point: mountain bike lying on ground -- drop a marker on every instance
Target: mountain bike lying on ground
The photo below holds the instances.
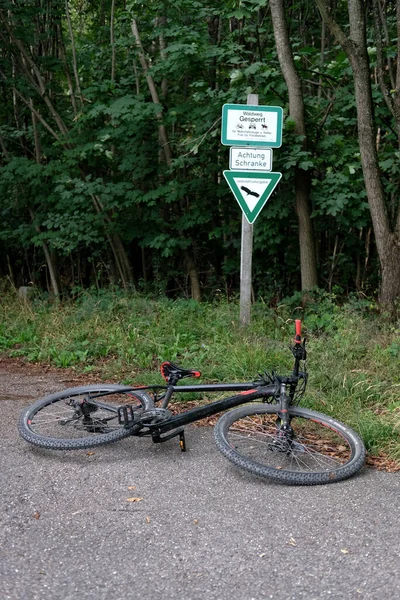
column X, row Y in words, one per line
column 265, row 433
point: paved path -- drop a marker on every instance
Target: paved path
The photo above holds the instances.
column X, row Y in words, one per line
column 203, row 529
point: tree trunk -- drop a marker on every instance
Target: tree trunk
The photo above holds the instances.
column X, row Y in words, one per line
column 388, row 73
column 50, row 265
column 308, row 261
column 123, row 259
column 154, row 94
column 73, row 50
column 49, row 259
column 193, row 276
column 164, row 141
column 387, row 234
column 390, row 267
column 122, row 263
column 112, row 41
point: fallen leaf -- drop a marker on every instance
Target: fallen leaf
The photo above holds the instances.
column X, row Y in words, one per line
column 36, row 515
column 131, row 487
column 134, row 499
column 90, row 453
column 383, row 463
column 195, row 521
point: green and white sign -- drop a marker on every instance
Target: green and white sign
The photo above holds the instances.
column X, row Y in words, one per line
column 244, row 125
column 252, row 190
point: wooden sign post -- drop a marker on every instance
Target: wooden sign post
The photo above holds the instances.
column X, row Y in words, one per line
column 256, row 130
column 246, row 256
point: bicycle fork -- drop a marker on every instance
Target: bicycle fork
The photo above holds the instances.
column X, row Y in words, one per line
column 283, row 420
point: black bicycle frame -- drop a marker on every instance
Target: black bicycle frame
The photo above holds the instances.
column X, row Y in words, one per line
column 248, row 394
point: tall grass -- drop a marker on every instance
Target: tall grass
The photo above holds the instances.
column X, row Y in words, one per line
column 354, row 354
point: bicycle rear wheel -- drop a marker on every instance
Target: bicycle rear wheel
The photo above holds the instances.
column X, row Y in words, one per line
column 319, row 450
column 81, row 417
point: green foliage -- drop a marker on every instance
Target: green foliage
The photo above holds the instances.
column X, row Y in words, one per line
column 89, row 176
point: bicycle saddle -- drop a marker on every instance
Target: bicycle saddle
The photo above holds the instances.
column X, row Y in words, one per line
column 172, row 373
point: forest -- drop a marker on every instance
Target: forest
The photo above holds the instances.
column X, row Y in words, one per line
column 111, row 158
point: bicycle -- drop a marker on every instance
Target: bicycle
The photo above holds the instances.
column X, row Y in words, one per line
column 265, row 432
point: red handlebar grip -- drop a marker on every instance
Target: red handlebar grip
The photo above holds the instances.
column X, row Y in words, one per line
column 297, row 338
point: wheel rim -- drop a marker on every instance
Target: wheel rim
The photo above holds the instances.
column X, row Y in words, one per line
column 314, row 447
column 81, row 415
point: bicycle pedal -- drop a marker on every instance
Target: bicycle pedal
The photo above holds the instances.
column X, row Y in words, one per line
column 126, row 415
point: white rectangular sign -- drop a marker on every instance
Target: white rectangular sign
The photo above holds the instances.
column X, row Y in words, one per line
column 250, row 159
column 244, row 125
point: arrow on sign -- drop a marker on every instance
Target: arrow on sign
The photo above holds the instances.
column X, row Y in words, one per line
column 252, row 190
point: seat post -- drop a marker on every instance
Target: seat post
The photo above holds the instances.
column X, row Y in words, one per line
column 168, row 394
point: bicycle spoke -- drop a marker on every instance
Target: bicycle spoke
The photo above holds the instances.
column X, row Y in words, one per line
column 259, row 437
column 79, row 414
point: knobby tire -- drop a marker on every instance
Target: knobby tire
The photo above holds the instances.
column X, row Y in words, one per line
column 323, row 450
column 52, row 423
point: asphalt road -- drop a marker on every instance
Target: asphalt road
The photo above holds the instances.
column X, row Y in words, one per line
column 201, row 530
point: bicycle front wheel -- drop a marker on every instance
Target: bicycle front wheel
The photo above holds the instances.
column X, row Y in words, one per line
column 317, row 450
column 81, row 417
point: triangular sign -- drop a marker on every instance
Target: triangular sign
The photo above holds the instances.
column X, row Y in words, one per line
column 252, row 190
